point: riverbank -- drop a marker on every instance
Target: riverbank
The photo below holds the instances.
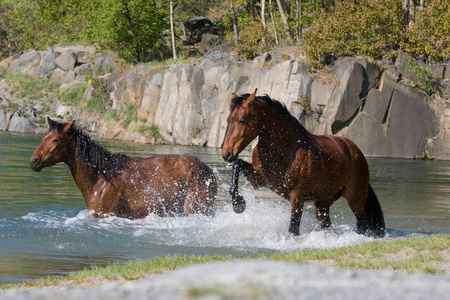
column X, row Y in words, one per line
column 413, row 268
column 377, row 105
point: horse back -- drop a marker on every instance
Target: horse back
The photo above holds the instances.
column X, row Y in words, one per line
column 327, row 164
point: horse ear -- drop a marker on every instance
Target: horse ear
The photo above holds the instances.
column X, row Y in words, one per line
column 251, row 98
column 233, row 97
column 50, row 122
column 69, row 126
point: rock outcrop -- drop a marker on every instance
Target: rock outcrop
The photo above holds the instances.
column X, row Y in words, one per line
column 374, row 105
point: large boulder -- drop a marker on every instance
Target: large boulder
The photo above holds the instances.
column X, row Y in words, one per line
column 346, row 99
column 208, row 42
column 19, row 123
column 2, row 120
column 150, row 100
column 395, row 122
column 66, row 61
column 47, row 64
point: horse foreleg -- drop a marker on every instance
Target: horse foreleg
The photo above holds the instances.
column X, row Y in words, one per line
column 237, row 200
column 296, row 213
column 252, row 176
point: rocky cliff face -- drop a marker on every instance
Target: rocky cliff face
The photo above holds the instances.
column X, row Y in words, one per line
column 376, row 107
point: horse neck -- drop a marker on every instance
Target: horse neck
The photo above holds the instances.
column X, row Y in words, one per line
column 282, row 134
column 81, row 170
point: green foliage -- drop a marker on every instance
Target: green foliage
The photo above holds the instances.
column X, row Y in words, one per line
column 129, row 116
column 26, row 86
column 99, row 100
column 112, row 115
column 133, row 28
column 73, row 96
column 150, row 131
column 429, row 36
column 365, row 27
column 425, row 78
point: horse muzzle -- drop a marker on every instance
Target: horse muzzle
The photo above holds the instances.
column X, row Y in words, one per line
column 229, row 157
column 36, row 165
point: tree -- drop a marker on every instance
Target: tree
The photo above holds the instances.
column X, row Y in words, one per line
column 172, row 32
column 235, row 23
column 285, row 22
column 134, row 28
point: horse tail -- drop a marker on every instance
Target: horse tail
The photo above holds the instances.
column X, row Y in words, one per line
column 374, row 215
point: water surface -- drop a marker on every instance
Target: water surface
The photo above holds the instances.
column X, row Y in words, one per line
column 45, row 230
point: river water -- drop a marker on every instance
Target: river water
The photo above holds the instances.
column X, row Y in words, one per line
column 45, row 230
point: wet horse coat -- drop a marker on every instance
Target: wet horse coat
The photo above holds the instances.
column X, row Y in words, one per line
column 298, row 165
column 115, row 184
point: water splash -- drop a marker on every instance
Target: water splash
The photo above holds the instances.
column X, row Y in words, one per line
column 263, row 226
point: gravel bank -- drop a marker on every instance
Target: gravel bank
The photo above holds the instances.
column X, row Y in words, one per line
column 256, row 280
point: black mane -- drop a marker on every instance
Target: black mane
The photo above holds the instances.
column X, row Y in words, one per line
column 266, row 100
column 101, row 160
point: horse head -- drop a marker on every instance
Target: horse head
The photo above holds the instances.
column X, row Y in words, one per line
column 54, row 146
column 243, row 126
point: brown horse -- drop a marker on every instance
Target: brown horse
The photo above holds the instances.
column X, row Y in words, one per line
column 115, row 184
column 298, row 165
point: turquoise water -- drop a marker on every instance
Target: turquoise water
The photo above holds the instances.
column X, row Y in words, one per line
column 45, row 230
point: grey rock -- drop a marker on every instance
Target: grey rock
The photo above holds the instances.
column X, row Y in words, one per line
column 4, row 103
column 257, row 280
column 19, row 123
column 208, row 42
column 47, row 63
column 216, row 58
column 3, row 120
column 57, row 75
column 66, row 61
column 105, row 65
column 68, row 77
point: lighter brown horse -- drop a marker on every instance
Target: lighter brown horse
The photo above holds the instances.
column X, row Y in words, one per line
column 298, row 165
column 117, row 185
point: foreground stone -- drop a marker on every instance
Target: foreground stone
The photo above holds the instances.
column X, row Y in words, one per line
column 258, row 280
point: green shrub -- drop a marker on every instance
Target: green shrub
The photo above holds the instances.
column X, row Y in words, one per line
column 369, row 28
column 23, row 85
column 112, row 115
column 425, row 78
column 133, row 28
column 73, row 96
column 100, row 100
column 129, row 116
column 151, row 131
column 429, row 36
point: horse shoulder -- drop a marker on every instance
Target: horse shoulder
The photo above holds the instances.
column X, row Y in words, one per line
column 256, row 162
column 299, row 169
column 104, row 197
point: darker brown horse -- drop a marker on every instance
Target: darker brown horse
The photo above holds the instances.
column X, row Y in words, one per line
column 298, row 165
column 115, row 184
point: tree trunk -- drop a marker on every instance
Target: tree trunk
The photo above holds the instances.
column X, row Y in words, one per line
column 235, row 26
column 405, row 9
column 313, row 5
column 299, row 20
column 273, row 23
column 285, row 22
column 263, row 14
column 172, row 32
column 412, row 12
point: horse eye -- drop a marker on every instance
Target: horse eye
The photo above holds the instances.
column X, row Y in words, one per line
column 55, row 140
column 242, row 122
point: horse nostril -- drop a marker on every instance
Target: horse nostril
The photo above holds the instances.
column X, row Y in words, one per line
column 226, row 155
column 34, row 162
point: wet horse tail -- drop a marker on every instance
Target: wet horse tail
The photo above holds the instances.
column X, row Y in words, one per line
column 374, row 215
